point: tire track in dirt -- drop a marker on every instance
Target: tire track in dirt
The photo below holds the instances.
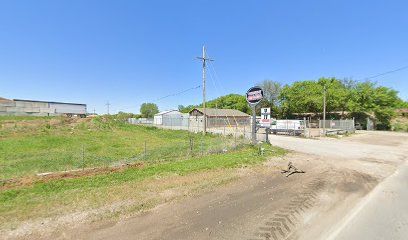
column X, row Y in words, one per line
column 286, row 220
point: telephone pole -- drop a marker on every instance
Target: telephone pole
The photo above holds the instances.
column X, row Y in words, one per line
column 204, row 59
column 107, row 107
column 324, row 110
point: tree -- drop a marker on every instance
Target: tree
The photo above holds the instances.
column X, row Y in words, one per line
column 301, row 97
column 148, row 110
column 271, row 90
column 185, row 109
column 379, row 102
column 307, row 96
column 337, row 94
column 230, row 101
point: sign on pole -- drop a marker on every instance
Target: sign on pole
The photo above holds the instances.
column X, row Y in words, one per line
column 265, row 117
column 253, row 96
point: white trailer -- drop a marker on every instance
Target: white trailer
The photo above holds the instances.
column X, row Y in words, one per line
column 291, row 127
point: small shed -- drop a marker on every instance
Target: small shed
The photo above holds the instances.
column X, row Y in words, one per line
column 163, row 118
column 220, row 117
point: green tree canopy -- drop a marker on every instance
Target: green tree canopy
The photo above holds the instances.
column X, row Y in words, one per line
column 301, row 97
column 360, row 99
column 230, row 101
column 379, row 101
column 148, row 110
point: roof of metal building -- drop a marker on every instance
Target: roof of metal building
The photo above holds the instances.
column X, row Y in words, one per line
column 165, row 112
column 5, row 100
column 24, row 100
column 214, row 112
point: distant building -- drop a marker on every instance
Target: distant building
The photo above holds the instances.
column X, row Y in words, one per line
column 20, row 107
column 219, row 117
column 168, row 118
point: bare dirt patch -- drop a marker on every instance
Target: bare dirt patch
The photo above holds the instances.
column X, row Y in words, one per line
column 51, row 176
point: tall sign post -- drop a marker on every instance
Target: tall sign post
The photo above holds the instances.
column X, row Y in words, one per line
column 266, row 121
column 254, row 95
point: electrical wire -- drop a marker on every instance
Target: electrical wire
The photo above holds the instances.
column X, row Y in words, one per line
column 178, row 93
column 167, row 96
column 384, row 73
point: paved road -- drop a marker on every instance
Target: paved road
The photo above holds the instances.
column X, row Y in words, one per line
column 383, row 146
column 383, row 214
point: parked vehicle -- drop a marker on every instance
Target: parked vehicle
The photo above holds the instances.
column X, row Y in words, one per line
column 358, row 126
column 291, row 127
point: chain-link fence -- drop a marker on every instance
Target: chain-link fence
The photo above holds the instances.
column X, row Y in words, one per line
column 140, row 120
column 146, row 145
column 235, row 126
column 337, row 126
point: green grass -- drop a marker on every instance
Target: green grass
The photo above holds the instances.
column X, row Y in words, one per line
column 55, row 144
column 49, row 198
column 31, row 145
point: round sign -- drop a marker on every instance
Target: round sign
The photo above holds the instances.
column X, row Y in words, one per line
column 254, row 95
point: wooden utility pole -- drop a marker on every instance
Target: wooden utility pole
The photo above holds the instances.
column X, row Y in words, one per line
column 107, row 106
column 324, row 110
column 204, row 59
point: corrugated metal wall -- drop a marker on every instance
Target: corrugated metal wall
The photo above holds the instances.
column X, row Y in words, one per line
column 21, row 107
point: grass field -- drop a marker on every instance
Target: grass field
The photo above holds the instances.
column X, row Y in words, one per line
column 54, row 144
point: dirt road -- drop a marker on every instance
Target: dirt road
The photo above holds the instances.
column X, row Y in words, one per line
column 264, row 204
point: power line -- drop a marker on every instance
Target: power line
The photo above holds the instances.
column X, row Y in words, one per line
column 178, row 93
column 161, row 98
column 384, row 73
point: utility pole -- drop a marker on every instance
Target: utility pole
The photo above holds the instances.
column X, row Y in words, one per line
column 107, row 107
column 324, row 110
column 324, row 104
column 204, row 59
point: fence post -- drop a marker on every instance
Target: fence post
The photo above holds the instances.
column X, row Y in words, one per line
column 191, row 145
column 236, row 128
column 304, row 126
column 83, row 156
column 202, row 146
column 145, row 151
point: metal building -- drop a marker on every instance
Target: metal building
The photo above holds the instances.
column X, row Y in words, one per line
column 21, row 107
column 170, row 117
column 219, row 117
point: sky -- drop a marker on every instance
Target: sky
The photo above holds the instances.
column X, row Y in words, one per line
column 131, row 52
